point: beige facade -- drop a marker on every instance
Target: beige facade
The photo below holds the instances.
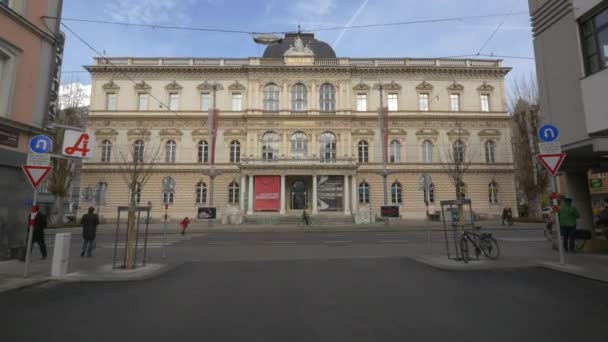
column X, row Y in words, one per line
column 318, row 99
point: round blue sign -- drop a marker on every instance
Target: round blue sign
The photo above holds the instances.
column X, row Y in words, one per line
column 41, row 144
column 548, row 133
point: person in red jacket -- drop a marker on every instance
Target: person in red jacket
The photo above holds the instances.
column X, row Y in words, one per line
column 184, row 224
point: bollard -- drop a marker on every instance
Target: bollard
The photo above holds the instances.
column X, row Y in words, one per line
column 61, row 255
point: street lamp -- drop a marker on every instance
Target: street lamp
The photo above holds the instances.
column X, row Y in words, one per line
column 267, row 39
column 381, row 117
column 212, row 124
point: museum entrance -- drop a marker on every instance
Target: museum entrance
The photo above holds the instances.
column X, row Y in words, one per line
column 299, row 195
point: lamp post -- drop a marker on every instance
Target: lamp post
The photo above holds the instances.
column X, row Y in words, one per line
column 212, row 122
column 381, row 117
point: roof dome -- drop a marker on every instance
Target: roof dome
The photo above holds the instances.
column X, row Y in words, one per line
column 319, row 49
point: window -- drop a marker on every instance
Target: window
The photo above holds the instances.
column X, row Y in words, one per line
column 138, row 151
column 362, row 102
column 327, row 97
column 235, row 152
column 137, row 195
column 205, row 101
column 271, row 97
column 364, row 193
column 106, row 151
column 142, row 101
column 203, row 151
column 173, row 101
column 44, row 186
column 270, row 146
column 427, row 151
column 462, row 190
column 423, row 100
column 429, row 196
column 167, row 197
column 237, row 102
column 458, row 151
column 395, row 152
column 493, row 192
column 170, row 151
column 393, row 102
column 363, row 151
column 299, row 144
column 485, row 102
column 490, row 148
column 328, row 146
column 201, row 193
column 299, row 97
column 396, row 193
column 233, row 193
column 455, row 102
column 111, row 101
column 594, row 39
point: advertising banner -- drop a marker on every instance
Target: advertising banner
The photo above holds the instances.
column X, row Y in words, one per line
column 206, row 213
column 331, row 193
column 267, row 193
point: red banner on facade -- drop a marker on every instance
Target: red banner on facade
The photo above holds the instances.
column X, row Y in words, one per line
column 267, row 193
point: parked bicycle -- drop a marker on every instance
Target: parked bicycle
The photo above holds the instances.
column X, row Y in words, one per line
column 482, row 243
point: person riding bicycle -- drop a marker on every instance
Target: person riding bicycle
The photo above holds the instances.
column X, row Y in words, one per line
column 305, row 217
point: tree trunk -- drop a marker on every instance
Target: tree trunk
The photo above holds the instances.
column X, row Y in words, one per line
column 534, row 207
column 56, row 216
column 131, row 232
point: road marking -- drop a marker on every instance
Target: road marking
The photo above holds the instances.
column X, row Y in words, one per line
column 278, row 242
column 393, row 241
column 338, row 241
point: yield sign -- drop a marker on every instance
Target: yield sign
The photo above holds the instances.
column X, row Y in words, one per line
column 551, row 162
column 36, row 174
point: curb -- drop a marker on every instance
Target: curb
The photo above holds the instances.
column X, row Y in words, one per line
column 113, row 276
column 563, row 268
column 473, row 265
column 24, row 283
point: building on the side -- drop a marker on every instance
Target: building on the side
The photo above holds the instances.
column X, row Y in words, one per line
column 571, row 48
column 298, row 130
column 30, row 60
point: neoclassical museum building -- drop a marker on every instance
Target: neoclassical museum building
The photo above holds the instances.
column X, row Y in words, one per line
column 299, row 129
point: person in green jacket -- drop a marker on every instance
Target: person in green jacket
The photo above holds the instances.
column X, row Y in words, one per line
column 567, row 221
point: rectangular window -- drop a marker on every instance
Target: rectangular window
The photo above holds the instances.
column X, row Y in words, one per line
column 423, row 99
column 455, row 102
column 393, row 102
column 111, row 101
column 173, row 101
column 485, row 102
column 594, row 39
column 205, row 101
column 142, row 101
column 237, row 102
column 362, row 102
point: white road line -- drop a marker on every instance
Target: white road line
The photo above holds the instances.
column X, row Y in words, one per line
column 279, row 242
column 393, row 241
column 338, row 241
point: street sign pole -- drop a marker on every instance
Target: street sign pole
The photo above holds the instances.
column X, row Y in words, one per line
column 165, row 231
column 30, row 234
column 556, row 220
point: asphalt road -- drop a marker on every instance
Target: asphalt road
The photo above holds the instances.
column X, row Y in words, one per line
column 365, row 299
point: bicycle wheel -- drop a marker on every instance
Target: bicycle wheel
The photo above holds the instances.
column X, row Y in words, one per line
column 490, row 248
column 579, row 244
column 464, row 249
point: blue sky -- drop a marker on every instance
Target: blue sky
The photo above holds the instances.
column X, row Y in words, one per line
column 419, row 40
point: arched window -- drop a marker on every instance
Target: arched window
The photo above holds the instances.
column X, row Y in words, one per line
column 396, row 193
column 299, row 144
column 270, row 146
column 459, row 151
column 138, row 151
column 170, row 151
column 233, row 193
column 395, row 151
column 271, row 97
column 462, row 190
column 493, row 192
column 328, row 146
column 201, row 193
column 327, row 97
column 364, row 193
column 137, row 196
column 490, row 148
column 299, row 97
column 235, row 152
column 203, row 151
column 106, row 151
column 363, row 151
column 429, row 195
column 427, row 151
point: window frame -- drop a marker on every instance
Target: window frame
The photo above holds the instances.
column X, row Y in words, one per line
column 234, row 190
column 396, row 193
column 271, row 97
column 394, row 152
column 328, row 154
column 493, row 192
column 205, row 96
column 235, row 151
column 364, row 193
column 138, row 151
column 170, row 151
column 114, row 96
column 174, row 95
column 106, row 151
column 485, row 105
column 460, row 152
column 426, row 153
column 392, row 100
column 238, row 97
column 426, row 99
column 270, row 145
column 201, row 191
column 299, row 97
column 327, row 97
column 361, row 102
column 298, row 146
column 363, row 151
column 139, row 101
column 202, row 151
column 589, row 18
column 490, row 151
column 457, row 97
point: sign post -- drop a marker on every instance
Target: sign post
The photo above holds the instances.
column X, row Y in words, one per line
column 35, row 174
column 425, row 181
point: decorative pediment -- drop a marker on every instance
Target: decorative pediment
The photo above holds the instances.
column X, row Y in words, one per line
column 361, row 87
column 456, row 87
column 236, row 86
column 363, row 131
column 489, row 133
column 110, row 86
column 205, row 86
column 485, row 88
column 138, row 132
column 106, row 132
column 424, row 86
column 142, row 86
column 392, row 86
column 200, row 133
column 396, row 131
column 427, row 132
column 234, row 132
column 458, row 132
column 173, row 86
column 170, row 132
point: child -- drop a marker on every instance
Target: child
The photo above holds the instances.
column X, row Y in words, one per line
column 185, row 222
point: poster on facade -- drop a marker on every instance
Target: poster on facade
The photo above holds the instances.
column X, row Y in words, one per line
column 267, row 193
column 206, row 213
column 331, row 193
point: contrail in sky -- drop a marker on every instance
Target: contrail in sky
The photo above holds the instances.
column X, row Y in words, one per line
column 350, row 22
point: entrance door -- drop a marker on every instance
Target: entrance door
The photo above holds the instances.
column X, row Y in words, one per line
column 298, row 195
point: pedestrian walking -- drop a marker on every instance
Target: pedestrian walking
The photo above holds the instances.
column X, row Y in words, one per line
column 509, row 216
column 89, row 222
column 504, row 215
column 567, row 221
column 184, row 224
column 40, row 224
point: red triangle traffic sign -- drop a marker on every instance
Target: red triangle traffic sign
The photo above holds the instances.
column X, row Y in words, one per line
column 35, row 174
column 551, row 162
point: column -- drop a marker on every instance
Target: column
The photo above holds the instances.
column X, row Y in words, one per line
column 355, row 197
column 314, row 195
column 346, row 197
column 242, row 194
column 282, row 212
column 250, row 198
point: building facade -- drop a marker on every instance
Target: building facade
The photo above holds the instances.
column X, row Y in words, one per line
column 30, row 58
column 299, row 129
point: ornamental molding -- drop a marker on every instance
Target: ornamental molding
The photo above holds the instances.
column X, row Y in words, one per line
column 458, row 132
column 235, row 133
column 396, row 131
column 106, row 132
column 170, row 132
column 362, row 132
column 110, row 86
column 485, row 88
column 456, row 87
column 392, row 86
column 489, row 133
column 205, row 86
column 138, row 132
column 173, row 86
column 236, row 86
column 200, row 133
column 427, row 131
column 361, row 87
column 424, row 86
column 142, row 86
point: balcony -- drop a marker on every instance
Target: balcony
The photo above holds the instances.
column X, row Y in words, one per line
column 307, row 162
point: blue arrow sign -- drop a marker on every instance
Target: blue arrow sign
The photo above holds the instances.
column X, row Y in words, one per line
column 548, row 133
column 41, row 144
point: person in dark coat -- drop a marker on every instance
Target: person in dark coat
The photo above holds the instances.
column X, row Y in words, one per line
column 38, row 233
column 89, row 224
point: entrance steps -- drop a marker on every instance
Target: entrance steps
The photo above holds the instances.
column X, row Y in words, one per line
column 293, row 218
